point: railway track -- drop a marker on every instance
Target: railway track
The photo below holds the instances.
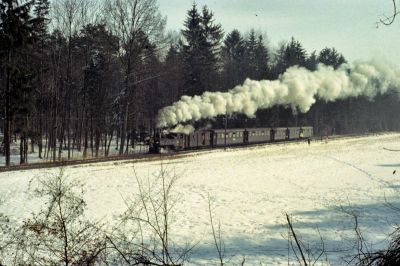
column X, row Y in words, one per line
column 155, row 157
column 131, row 158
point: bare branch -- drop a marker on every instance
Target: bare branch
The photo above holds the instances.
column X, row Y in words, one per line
column 217, row 236
column 389, row 20
column 296, row 240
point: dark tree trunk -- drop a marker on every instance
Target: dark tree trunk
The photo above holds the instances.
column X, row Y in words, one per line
column 85, row 141
column 97, row 141
column 7, row 124
column 40, row 135
column 91, row 135
column 123, row 132
column 21, row 150
column 109, row 142
column 33, row 144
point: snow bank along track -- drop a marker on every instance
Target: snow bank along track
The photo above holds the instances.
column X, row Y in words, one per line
column 156, row 157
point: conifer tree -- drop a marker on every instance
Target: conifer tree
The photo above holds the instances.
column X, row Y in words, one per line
column 331, row 57
column 192, row 57
column 312, row 61
column 295, row 54
column 174, row 80
column 262, row 59
column 201, row 49
column 233, row 59
column 279, row 63
column 41, row 11
column 251, row 55
column 17, row 31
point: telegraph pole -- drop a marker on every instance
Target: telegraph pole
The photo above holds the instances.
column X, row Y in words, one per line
column 226, row 125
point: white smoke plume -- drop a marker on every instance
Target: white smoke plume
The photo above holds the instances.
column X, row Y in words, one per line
column 296, row 88
column 185, row 129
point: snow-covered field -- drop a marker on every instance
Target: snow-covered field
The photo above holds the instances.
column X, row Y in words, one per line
column 251, row 190
column 33, row 157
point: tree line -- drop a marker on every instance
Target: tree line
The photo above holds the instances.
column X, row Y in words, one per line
column 88, row 76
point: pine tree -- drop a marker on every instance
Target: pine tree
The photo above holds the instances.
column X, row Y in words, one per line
column 295, row 54
column 233, row 52
column 331, row 57
column 174, row 80
column 211, row 48
column 193, row 58
column 251, row 55
column 212, row 36
column 262, row 59
column 312, row 61
column 17, row 31
column 41, row 11
column 279, row 65
column 200, row 51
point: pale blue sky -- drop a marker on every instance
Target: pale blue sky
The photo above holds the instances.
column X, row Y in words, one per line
column 348, row 25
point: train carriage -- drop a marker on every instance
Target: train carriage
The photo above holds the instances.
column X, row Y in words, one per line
column 259, row 135
column 279, row 133
column 307, row 132
column 294, row 132
column 233, row 137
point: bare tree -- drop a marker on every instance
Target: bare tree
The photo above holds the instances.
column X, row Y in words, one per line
column 68, row 17
column 58, row 234
column 144, row 236
column 135, row 22
column 305, row 255
column 6, row 232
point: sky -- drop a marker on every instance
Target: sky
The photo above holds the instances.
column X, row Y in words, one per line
column 348, row 25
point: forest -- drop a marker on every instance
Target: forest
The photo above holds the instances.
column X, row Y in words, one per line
column 77, row 75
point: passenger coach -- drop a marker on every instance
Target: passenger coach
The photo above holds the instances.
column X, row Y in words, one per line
column 231, row 137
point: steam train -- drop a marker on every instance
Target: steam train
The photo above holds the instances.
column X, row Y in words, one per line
column 211, row 138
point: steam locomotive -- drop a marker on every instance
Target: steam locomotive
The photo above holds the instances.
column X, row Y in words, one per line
column 211, row 138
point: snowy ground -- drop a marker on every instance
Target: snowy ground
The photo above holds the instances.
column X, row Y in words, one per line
column 33, row 157
column 251, row 190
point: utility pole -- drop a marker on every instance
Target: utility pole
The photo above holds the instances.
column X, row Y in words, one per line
column 226, row 125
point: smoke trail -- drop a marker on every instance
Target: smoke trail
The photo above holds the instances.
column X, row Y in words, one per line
column 296, row 88
column 185, row 129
